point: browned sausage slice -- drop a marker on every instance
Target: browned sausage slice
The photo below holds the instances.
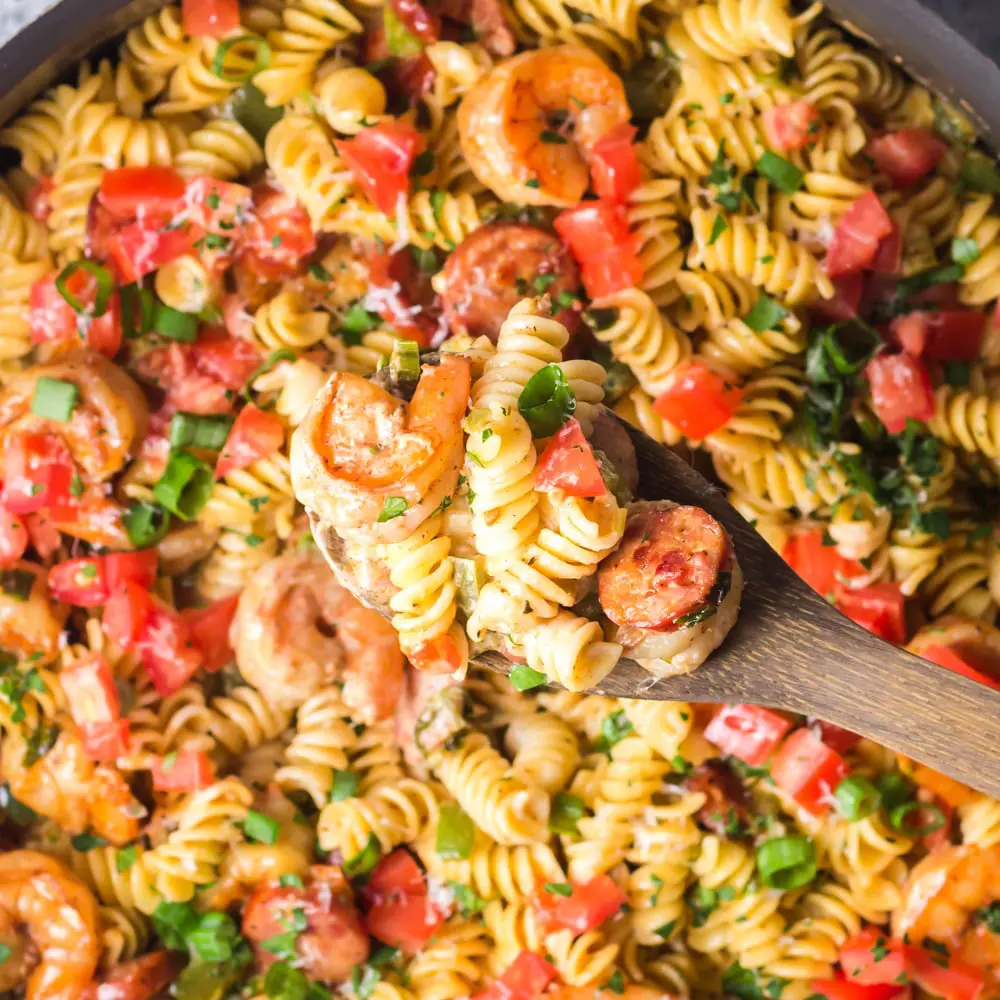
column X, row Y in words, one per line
column 665, row 567
column 497, row 266
column 725, row 810
column 139, row 979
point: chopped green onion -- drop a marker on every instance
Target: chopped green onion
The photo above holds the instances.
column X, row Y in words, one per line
column 54, row 399
column 787, row 862
column 945, row 275
column 857, row 798
column 136, row 300
column 614, row 728
column 392, row 507
column 345, row 785
column 980, row 173
column 765, row 315
column 145, row 523
column 261, row 828
column 524, row 678
column 895, row 789
column 566, row 811
column 559, row 888
column 455, row 833
column 366, row 859
column 185, row 486
column 193, row 430
column 290, row 881
column 357, row 320
column 469, row 901
column 213, row 938
column 899, row 818
column 547, row 401
column 105, row 286
column 285, row 982
column 84, row 842
column 174, row 324
column 404, row 362
column 262, row 58
column 964, row 251
column 785, row 176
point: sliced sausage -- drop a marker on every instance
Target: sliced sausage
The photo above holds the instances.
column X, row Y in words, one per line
column 139, row 979
column 401, row 293
column 334, row 939
column 496, row 267
column 725, row 810
column 665, row 567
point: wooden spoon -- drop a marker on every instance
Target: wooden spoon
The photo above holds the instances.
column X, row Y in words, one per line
column 792, row 650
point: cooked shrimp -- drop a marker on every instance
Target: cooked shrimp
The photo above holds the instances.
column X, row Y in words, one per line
column 976, row 642
column 528, row 127
column 943, row 893
column 50, row 921
column 31, row 627
column 64, row 785
column 108, row 419
column 374, row 467
column 296, row 630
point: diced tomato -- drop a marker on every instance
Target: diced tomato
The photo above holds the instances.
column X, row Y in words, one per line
column 167, row 650
column 139, row 249
column 598, row 236
column 182, row 771
column 217, row 18
column 152, row 192
column 833, row 736
column 216, row 206
column 950, row 979
column 815, row 562
column 847, row 293
column 210, row 630
column 698, row 401
column 749, row 732
column 880, row 608
column 568, row 464
column 901, row 390
column 587, row 906
column 43, row 533
column 106, row 741
column 94, row 704
column 173, row 370
column 950, row 659
column 524, row 979
column 13, row 537
column 37, row 472
column 792, row 126
column 889, row 257
column 397, row 873
column 907, row 155
column 81, row 582
column 808, row 770
column 857, row 237
column 278, row 237
column 228, row 360
column 940, row 335
column 398, row 910
column 380, row 157
column 125, row 614
column 440, row 655
column 417, row 19
column 53, row 319
column 403, row 296
column 873, row 957
column 614, row 167
column 844, row 989
column 38, row 200
column 138, row 567
column 255, row 435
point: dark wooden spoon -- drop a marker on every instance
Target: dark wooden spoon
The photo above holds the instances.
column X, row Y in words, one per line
column 790, row 649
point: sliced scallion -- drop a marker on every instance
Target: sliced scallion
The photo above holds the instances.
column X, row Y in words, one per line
column 185, row 486
column 857, row 798
column 194, row 430
column 174, row 324
column 262, row 58
column 103, row 279
column 787, row 862
column 54, row 399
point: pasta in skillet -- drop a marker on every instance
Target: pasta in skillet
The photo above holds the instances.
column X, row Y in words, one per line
column 315, row 316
